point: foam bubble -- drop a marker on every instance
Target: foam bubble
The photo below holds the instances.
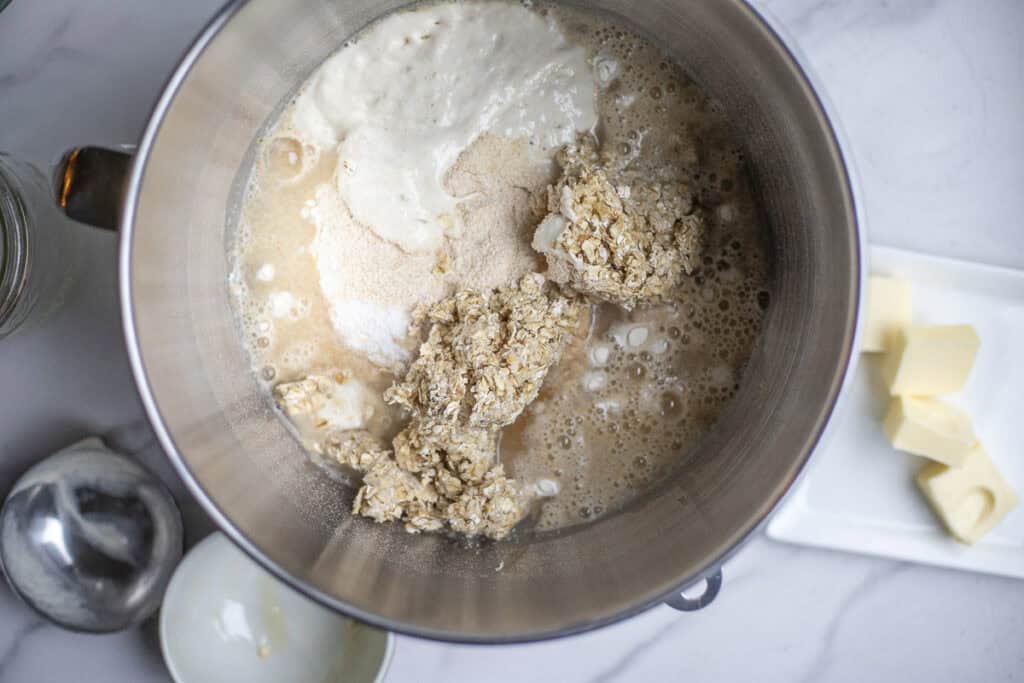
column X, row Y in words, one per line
column 265, row 273
column 595, row 380
column 281, row 304
column 637, row 335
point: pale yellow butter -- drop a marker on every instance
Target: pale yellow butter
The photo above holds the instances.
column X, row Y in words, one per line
column 930, row 360
column 970, row 499
column 889, row 309
column 929, row 427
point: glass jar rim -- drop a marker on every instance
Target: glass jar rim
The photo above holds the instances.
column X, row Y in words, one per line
column 13, row 241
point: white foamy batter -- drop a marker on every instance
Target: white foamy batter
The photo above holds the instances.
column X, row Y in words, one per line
column 404, row 100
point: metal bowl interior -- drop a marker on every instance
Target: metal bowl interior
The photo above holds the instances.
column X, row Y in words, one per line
column 251, row 475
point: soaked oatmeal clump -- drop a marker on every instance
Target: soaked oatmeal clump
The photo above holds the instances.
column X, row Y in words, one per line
column 618, row 235
column 484, row 359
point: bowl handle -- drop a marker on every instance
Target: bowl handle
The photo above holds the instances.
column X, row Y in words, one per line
column 713, row 583
column 89, row 184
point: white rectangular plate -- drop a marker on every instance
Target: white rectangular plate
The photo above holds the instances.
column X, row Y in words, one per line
column 858, row 493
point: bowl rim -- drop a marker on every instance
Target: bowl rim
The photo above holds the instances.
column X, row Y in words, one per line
column 217, row 537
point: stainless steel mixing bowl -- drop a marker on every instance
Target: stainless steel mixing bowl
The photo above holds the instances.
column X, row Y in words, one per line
column 259, row 486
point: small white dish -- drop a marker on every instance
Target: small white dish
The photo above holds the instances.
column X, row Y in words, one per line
column 225, row 619
column 858, row 494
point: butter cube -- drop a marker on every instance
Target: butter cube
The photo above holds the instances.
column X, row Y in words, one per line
column 930, row 360
column 929, row 427
column 889, row 309
column 970, row 499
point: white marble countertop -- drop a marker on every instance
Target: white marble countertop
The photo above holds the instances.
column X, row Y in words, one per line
column 931, row 94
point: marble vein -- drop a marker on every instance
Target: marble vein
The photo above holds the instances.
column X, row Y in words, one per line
column 874, row 581
column 835, row 16
column 10, row 653
column 51, row 50
column 628, row 658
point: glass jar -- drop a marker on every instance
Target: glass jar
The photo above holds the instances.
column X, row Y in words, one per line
column 39, row 248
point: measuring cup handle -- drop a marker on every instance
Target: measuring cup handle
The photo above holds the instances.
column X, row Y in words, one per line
column 89, row 184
